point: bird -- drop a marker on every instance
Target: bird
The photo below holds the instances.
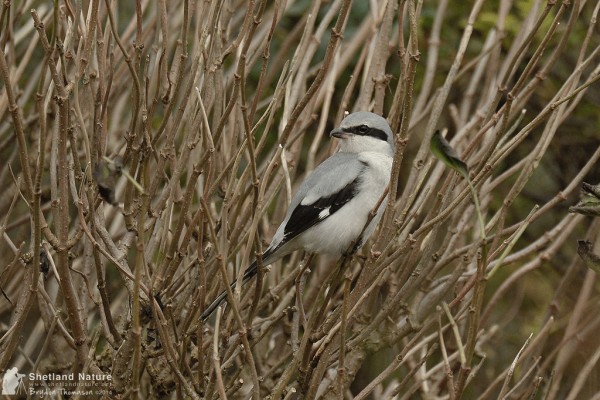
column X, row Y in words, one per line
column 330, row 209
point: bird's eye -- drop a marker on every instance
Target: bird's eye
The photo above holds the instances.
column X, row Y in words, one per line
column 363, row 129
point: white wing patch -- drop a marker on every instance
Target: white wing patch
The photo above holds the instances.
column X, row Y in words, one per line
column 324, row 213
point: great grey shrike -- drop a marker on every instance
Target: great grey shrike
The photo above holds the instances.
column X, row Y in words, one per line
column 331, row 208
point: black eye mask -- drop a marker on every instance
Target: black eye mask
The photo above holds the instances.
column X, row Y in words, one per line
column 364, row 130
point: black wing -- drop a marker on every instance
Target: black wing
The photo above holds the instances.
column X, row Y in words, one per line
column 305, row 216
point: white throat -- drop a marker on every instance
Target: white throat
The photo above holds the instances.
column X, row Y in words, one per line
column 358, row 144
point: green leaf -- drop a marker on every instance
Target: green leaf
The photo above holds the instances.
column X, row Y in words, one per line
column 442, row 150
column 590, row 201
column 106, row 173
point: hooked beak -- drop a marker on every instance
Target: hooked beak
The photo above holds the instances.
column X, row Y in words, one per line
column 340, row 134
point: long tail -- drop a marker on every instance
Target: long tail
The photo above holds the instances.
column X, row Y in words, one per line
column 248, row 274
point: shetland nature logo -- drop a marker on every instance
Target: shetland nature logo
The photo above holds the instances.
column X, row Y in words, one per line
column 12, row 382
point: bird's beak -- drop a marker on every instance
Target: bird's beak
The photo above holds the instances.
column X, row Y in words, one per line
column 338, row 133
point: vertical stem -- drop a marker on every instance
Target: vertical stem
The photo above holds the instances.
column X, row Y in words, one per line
column 62, row 252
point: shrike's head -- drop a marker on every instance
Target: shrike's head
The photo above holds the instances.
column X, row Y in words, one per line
column 364, row 131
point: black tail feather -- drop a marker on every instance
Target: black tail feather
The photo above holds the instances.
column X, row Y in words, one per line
column 248, row 274
column 213, row 306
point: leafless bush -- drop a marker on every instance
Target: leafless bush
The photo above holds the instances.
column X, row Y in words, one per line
column 218, row 109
